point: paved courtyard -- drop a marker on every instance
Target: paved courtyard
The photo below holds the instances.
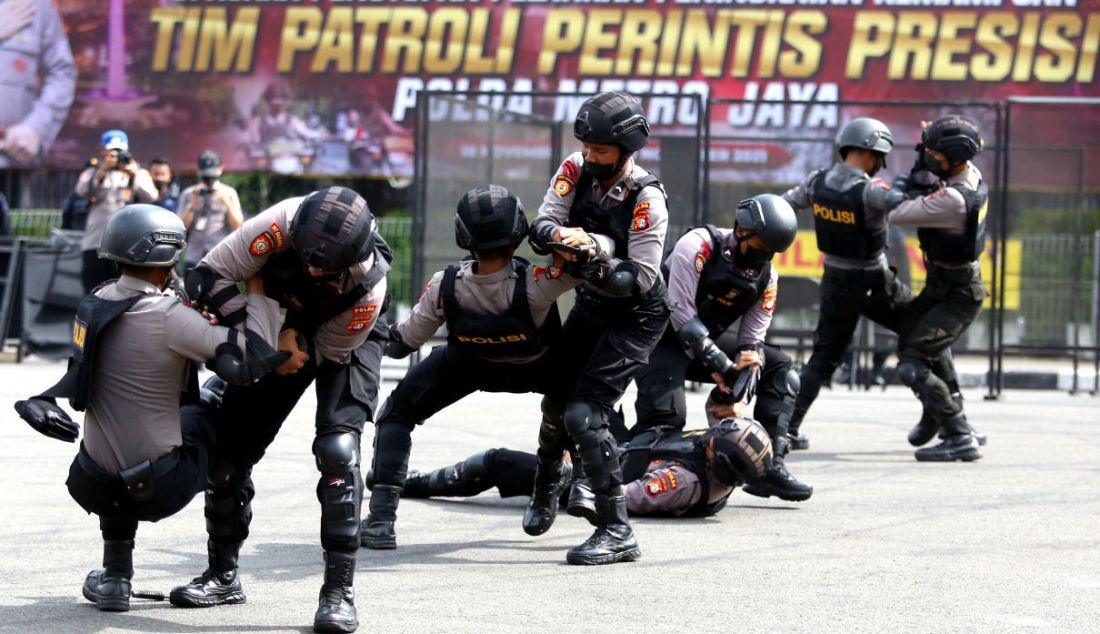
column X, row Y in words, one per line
column 1010, row 543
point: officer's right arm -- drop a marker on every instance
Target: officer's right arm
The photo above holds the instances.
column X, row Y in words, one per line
column 426, row 316
column 554, row 210
column 942, row 209
column 666, row 490
column 685, row 263
column 799, row 196
column 85, row 185
column 213, row 283
column 235, row 357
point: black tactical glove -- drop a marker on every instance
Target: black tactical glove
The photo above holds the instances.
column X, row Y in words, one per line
column 42, row 413
column 229, row 363
column 742, row 383
column 579, row 250
column 397, row 348
column 211, row 393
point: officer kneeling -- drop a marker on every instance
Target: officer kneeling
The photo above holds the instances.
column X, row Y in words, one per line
column 134, row 348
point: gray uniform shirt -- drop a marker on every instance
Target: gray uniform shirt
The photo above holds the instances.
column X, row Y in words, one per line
column 209, row 225
column 141, row 371
column 108, row 196
column 484, row 295
column 37, row 76
column 246, row 250
column 646, row 239
column 876, row 205
column 685, row 264
column 944, row 208
column 669, row 487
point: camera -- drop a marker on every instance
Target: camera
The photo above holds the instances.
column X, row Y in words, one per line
column 124, row 157
column 206, row 191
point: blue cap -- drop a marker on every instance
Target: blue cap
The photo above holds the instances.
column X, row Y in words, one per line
column 115, row 140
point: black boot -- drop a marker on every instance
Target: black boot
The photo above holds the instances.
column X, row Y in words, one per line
column 416, row 485
column 925, row 429
column 582, row 502
column 109, row 587
column 378, row 529
column 959, row 443
column 336, row 605
column 777, row 481
column 979, row 436
column 613, row 541
column 550, row 480
column 218, row 585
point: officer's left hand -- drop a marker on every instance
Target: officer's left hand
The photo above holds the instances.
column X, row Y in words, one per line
column 288, row 342
column 745, row 358
column 48, row 419
column 21, row 143
column 575, row 237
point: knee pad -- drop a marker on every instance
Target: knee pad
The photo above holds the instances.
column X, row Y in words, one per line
column 336, row 453
column 580, row 417
column 910, row 372
column 226, row 475
column 478, row 465
column 787, row 383
column 228, row 502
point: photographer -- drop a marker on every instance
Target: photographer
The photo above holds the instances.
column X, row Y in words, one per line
column 168, row 190
column 211, row 210
column 109, row 186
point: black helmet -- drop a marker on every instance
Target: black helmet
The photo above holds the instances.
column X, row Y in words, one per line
column 143, row 235
column 489, row 217
column 955, row 136
column 742, row 451
column 769, row 217
column 333, row 229
column 615, row 118
column 867, row 134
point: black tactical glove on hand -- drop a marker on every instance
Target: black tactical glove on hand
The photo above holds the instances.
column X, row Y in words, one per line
column 396, row 348
column 229, row 363
column 42, row 413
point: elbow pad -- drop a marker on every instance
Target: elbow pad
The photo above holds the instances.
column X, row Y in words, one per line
column 228, row 363
column 199, row 286
column 623, row 281
column 539, row 235
column 696, row 338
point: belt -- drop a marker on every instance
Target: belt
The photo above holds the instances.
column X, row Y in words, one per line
column 955, row 273
column 161, row 466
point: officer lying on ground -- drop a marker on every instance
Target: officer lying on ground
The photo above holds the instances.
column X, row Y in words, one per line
column 667, row 472
column 948, row 206
column 143, row 458
column 501, row 320
column 715, row 278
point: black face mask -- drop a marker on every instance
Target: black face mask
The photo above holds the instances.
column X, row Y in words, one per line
column 209, row 181
column 752, row 259
column 162, row 184
column 932, row 164
column 601, row 171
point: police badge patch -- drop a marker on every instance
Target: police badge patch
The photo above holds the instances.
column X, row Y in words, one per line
column 261, row 245
column 361, row 316
column 563, row 186
column 641, row 217
column 662, row 484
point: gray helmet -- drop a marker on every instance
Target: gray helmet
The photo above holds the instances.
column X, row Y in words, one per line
column 489, row 217
column 866, row 134
column 333, row 229
column 955, row 136
column 615, row 118
column 210, row 164
column 770, row 218
column 143, row 235
column 742, row 451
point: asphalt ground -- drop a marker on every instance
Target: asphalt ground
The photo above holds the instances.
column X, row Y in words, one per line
column 1009, row 543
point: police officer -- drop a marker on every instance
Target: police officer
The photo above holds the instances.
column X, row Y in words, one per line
column 849, row 210
column 682, row 474
column 134, row 354
column 948, row 208
column 716, row 277
column 211, row 210
column 501, row 320
column 614, row 214
column 38, row 78
column 321, row 258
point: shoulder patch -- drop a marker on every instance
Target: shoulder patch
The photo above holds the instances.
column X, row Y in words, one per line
column 663, row 481
column 641, row 217
column 569, row 170
column 549, row 272
column 702, row 256
column 563, row 186
column 277, row 235
column 361, row 317
column 261, row 245
column 771, row 293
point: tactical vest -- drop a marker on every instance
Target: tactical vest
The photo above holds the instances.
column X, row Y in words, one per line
column 840, row 222
column 506, row 335
column 687, row 448
column 724, row 295
column 93, row 316
column 287, row 281
column 612, row 221
column 955, row 249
